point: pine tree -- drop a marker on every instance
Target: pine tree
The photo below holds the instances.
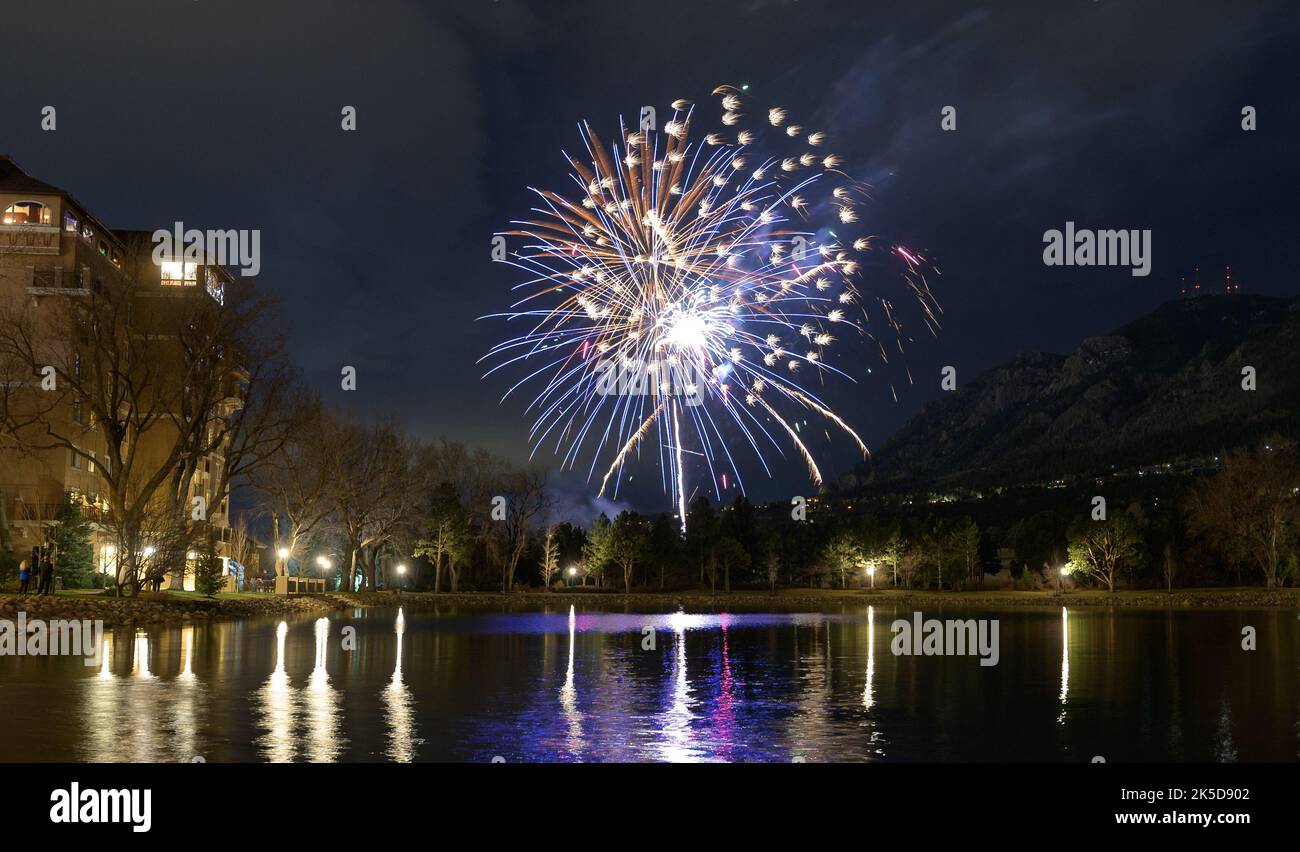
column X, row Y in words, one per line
column 72, row 548
column 207, row 572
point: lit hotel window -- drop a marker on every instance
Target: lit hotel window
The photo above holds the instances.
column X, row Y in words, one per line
column 27, row 213
column 176, row 273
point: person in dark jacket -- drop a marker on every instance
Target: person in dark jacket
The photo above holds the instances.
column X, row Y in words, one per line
column 47, row 576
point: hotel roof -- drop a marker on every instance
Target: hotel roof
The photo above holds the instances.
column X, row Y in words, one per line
column 14, row 179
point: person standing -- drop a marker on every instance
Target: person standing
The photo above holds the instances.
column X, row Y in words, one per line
column 24, row 577
column 47, row 576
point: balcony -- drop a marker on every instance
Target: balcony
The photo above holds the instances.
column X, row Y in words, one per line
column 29, row 238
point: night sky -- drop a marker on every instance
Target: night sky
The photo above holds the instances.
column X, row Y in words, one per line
column 226, row 115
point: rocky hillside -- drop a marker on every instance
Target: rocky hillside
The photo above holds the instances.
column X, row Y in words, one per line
column 1166, row 386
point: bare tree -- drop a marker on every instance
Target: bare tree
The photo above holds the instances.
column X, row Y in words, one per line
column 1248, row 508
column 376, row 496
column 550, row 557
column 300, row 479
column 525, row 498
column 132, row 380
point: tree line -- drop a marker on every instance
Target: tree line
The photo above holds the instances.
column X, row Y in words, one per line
column 147, row 391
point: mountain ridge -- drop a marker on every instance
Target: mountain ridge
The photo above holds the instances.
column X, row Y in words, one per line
column 1166, row 385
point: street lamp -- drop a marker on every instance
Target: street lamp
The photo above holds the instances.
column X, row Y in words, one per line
column 324, row 565
column 573, row 572
column 1060, row 584
column 871, row 572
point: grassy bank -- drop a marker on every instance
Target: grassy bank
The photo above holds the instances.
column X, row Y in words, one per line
column 831, row 600
column 156, row 607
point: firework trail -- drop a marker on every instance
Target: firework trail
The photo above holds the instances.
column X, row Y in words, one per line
column 683, row 291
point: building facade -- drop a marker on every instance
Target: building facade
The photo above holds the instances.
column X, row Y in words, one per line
column 53, row 249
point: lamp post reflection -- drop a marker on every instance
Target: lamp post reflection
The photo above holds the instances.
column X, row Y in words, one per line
column 123, row 713
column 102, row 706
column 568, row 695
column 186, row 704
column 140, row 656
column 868, row 693
column 677, row 744
column 399, row 706
column 1065, row 662
column 106, row 658
column 187, row 654
column 277, row 744
column 324, row 742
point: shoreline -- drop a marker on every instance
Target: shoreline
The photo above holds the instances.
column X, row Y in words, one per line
column 187, row 608
column 158, row 608
column 808, row 600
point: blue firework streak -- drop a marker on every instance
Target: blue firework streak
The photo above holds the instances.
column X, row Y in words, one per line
column 681, row 294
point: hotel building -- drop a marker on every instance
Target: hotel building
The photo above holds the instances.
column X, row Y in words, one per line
column 53, row 248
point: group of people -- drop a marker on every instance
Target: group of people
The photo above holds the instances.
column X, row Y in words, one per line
column 44, row 574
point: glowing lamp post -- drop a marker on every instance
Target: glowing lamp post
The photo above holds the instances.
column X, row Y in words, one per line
column 1060, row 584
column 282, row 573
column 871, row 572
column 573, row 572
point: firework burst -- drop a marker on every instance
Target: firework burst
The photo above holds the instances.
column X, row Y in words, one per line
column 683, row 294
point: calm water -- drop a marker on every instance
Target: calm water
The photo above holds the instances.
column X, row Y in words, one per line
column 542, row 686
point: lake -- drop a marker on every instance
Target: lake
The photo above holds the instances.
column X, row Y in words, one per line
column 458, row 685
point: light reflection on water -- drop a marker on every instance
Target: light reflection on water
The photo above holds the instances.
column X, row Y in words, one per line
column 400, row 707
column 583, row 686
